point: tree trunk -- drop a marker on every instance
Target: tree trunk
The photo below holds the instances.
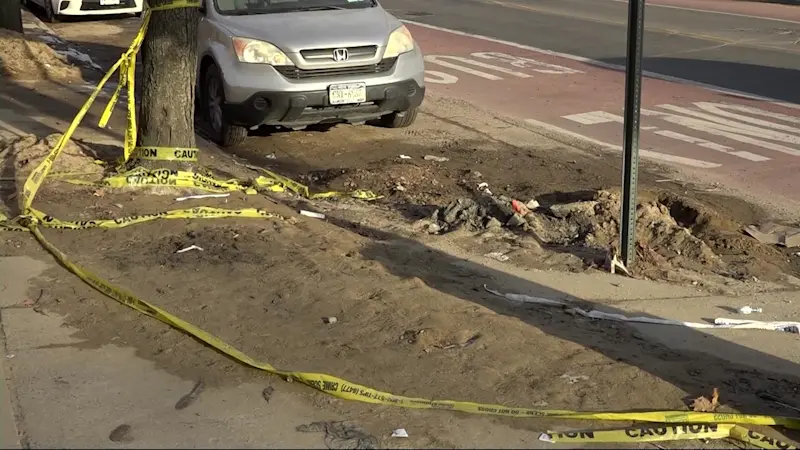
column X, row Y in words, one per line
column 169, row 55
column 11, row 15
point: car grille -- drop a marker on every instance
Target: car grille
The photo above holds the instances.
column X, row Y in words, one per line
column 94, row 5
column 354, row 53
column 295, row 73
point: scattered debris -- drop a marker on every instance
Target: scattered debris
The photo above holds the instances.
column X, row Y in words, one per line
column 498, row 256
column 466, row 343
column 405, row 157
column 787, row 327
column 774, row 234
column 189, row 248
column 121, row 434
column 400, row 433
column 330, row 320
column 266, row 394
column 340, row 435
column 572, row 379
column 10, row 355
column 748, row 310
column 201, row 196
column 719, row 323
column 614, row 264
column 271, row 156
column 484, row 187
column 703, row 404
column 315, row 215
column 192, row 396
column 436, row 158
column 532, row 204
column 519, row 208
column 474, row 215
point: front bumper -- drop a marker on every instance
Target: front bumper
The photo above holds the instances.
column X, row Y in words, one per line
column 93, row 7
column 298, row 109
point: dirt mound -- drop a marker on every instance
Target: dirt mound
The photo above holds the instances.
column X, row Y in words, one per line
column 29, row 60
column 24, row 153
column 672, row 232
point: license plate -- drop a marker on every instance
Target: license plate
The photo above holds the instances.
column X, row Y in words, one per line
column 109, row 2
column 343, row 94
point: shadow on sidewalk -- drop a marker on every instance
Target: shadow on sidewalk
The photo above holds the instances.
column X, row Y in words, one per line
column 693, row 372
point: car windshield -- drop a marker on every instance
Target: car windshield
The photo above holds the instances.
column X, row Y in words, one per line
column 247, row 7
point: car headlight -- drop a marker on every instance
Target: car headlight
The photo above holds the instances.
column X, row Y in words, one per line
column 258, row 52
column 400, row 41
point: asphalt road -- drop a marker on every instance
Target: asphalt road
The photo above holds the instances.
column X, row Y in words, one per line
column 755, row 55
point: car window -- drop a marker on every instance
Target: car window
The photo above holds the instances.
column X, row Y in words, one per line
column 247, row 7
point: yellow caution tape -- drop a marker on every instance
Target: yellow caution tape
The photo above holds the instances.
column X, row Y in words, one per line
column 759, row 440
column 202, row 212
column 273, row 179
column 166, row 153
column 657, row 433
column 177, row 178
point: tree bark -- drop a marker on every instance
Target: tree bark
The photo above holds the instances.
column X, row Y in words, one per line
column 11, row 15
column 169, row 60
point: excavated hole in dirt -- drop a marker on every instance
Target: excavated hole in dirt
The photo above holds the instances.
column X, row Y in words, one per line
column 672, row 232
column 675, row 232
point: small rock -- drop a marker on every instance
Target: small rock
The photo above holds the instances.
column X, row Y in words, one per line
column 267, row 393
column 435, row 158
column 330, row 320
column 532, row 204
column 493, row 223
column 516, row 221
column 121, row 434
column 498, row 256
column 400, row 188
column 434, row 228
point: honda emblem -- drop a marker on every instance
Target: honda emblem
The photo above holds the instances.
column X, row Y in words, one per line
column 340, row 54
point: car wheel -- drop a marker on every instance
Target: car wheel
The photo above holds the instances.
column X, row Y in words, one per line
column 49, row 12
column 400, row 119
column 224, row 133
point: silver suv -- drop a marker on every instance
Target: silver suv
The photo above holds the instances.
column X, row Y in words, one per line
column 295, row 63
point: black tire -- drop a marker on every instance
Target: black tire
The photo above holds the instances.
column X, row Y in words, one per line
column 400, row 119
column 222, row 132
column 49, row 14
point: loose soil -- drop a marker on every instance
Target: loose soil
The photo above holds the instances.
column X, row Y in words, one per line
column 412, row 318
column 24, row 59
